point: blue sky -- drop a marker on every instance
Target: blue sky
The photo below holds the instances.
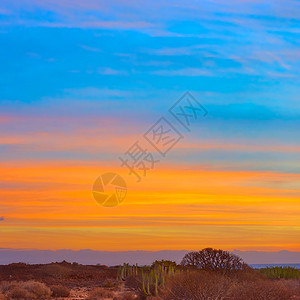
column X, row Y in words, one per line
column 120, row 60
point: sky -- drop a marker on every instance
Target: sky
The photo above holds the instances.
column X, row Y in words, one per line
column 82, row 81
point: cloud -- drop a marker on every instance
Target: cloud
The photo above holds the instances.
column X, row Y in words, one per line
column 33, row 55
column 183, row 72
column 173, row 51
column 88, row 48
column 119, row 25
column 109, row 71
column 231, row 146
column 94, row 92
column 1, row 218
column 280, row 75
column 130, row 15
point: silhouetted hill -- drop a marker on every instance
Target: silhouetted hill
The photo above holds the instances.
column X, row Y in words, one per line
column 109, row 258
column 88, row 257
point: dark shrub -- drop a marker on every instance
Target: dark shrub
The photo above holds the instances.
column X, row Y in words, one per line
column 210, row 259
column 26, row 290
column 203, row 285
column 261, row 290
column 197, row 285
column 249, row 275
column 110, row 283
column 19, row 293
column 60, row 291
column 100, row 293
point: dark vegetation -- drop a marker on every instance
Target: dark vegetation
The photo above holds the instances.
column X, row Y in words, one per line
column 70, row 274
column 208, row 274
column 281, row 272
column 210, row 259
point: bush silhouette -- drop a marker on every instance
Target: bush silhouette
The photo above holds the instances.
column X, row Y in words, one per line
column 210, row 259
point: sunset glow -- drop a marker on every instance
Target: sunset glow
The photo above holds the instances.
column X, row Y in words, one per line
column 81, row 81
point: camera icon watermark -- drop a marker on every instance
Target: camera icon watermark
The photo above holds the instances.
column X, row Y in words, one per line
column 109, row 189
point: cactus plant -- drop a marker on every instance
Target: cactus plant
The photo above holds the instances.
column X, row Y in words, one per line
column 152, row 277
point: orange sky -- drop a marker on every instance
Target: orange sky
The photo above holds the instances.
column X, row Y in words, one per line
column 175, row 207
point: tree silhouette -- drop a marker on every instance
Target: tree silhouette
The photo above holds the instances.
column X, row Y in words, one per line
column 214, row 260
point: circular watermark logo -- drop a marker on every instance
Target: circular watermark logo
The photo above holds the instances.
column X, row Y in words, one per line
column 109, row 189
